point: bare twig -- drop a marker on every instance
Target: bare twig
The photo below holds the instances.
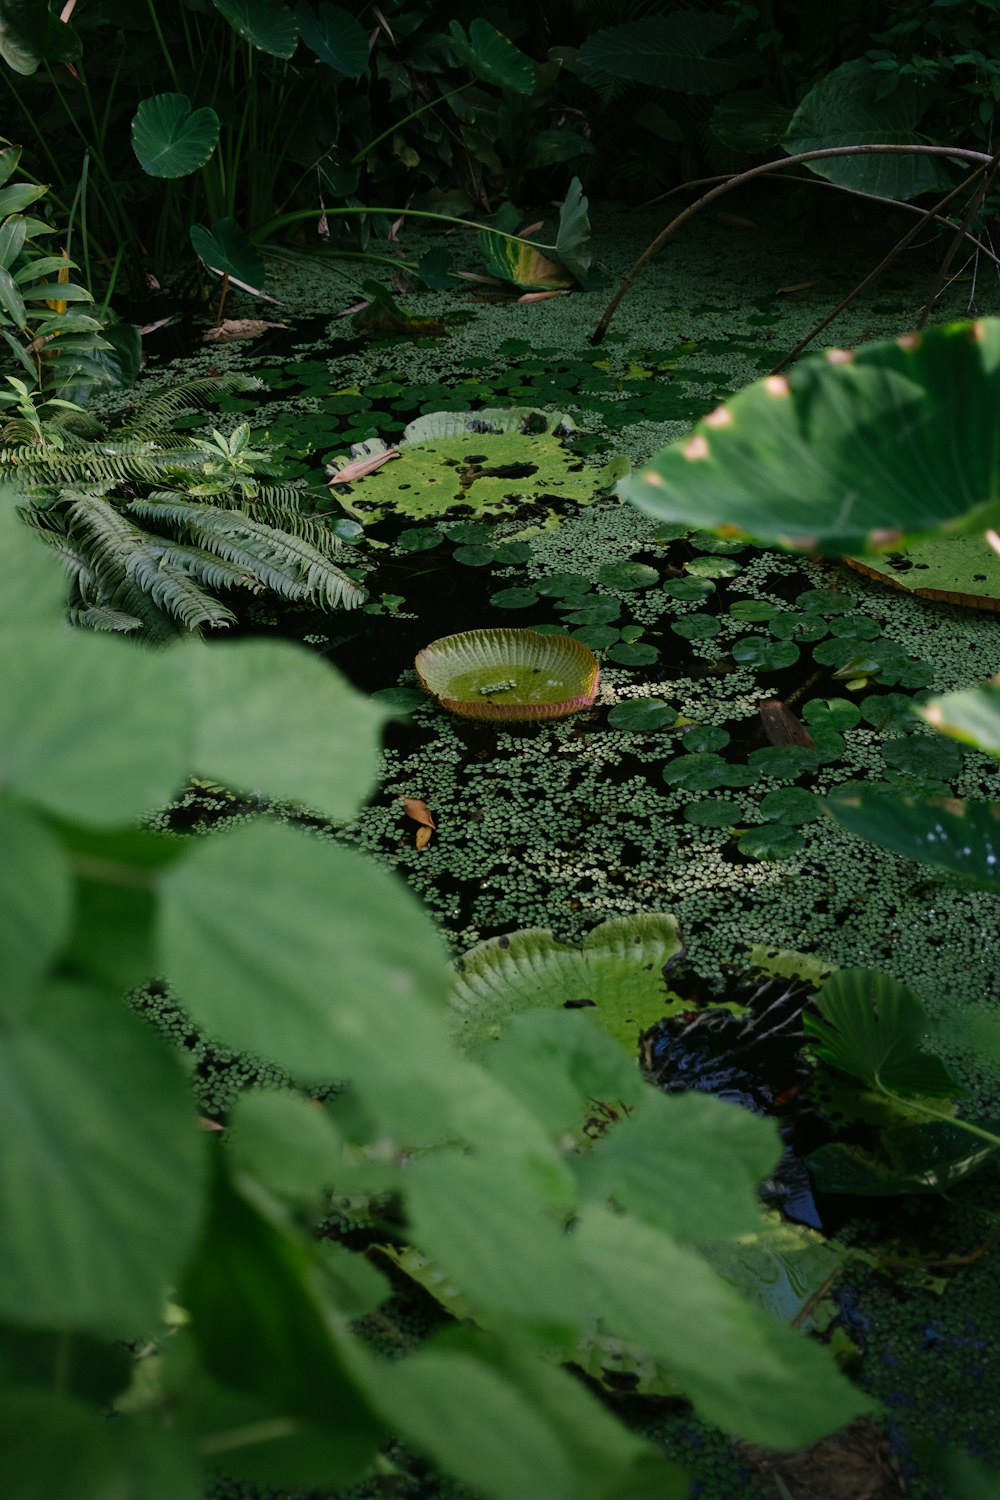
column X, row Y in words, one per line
column 974, row 207
column 665, row 235
column 874, row 274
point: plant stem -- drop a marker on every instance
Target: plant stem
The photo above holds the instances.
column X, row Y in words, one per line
column 597, row 337
column 974, row 207
column 398, row 124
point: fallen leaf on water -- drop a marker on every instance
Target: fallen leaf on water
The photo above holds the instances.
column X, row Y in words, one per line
column 542, row 296
column 781, row 726
column 796, row 286
column 420, row 813
column 363, row 466
column 237, row 328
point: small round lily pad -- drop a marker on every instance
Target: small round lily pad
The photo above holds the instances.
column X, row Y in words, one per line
column 890, row 710
column 697, row 773
column 627, row 576
column 752, row 609
column 594, row 612
column 784, row 762
column 509, row 675
column 633, row 654
column 706, row 541
column 771, row 841
column 470, row 533
column 474, row 556
column 713, row 567
column 787, row 625
column 696, row 627
column 704, row 738
column 561, row 585
column 597, row 637
column 514, row 598
column 825, row 601
column 641, row 714
column 690, row 590
column 509, row 554
column 924, row 755
column 791, row 805
column 832, row 713
column 855, row 627
column 766, row 655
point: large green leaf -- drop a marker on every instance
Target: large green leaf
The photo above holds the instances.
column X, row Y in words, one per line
column 493, row 57
column 31, row 33
column 267, row 25
column 279, row 943
column 55, row 1445
column 90, row 728
column 521, row 263
column 263, row 1326
column 337, row 38
column 931, row 1158
column 972, row 716
column 170, row 139
column 228, row 251
column 101, row 1165
column 954, row 569
column 699, row 1187
column 35, row 897
column 325, row 756
column 962, row 837
column 872, row 1027
column 677, row 52
column 848, row 452
column 618, row 971
column 845, row 109
column 743, row 1370
column 34, row 586
column 573, row 235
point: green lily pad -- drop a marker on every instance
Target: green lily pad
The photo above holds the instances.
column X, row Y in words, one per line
column 772, row 841
column 753, row 610
column 516, row 598
column 562, row 585
column 419, row 539
column 791, row 805
column 766, row 655
column 633, row 654
column 597, row 637
column 831, row 713
column 924, row 755
column 617, row 974
column 783, row 762
column 698, row 772
column 889, row 711
column 627, row 576
column 494, row 462
column 702, row 739
column 696, row 627
column 954, row 569
column 400, row 701
column 476, row 557
column 896, row 440
column 713, row 812
column 825, row 601
column 641, row 714
column 788, row 626
column 468, row 533
column 509, row 675
column 690, row 590
column 713, row 567
column 599, row 612
column 854, row 627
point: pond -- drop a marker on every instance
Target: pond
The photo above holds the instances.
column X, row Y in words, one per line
column 674, row 795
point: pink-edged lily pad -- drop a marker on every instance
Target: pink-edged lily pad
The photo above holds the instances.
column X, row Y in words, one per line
column 509, row 675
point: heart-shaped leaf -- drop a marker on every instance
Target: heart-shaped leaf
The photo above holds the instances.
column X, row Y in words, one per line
column 871, row 1028
column 267, row 25
column 170, row 139
column 337, row 38
column 228, row 251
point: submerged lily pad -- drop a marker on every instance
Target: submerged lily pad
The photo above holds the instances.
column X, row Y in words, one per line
column 617, row 974
column 490, row 462
column 641, row 714
column 509, row 675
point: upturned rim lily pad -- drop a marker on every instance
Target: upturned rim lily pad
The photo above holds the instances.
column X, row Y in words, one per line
column 509, row 675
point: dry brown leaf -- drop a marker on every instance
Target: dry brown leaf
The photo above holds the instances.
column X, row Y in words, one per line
column 418, row 811
column 529, row 229
column 423, row 838
column 362, row 467
column 542, row 296
column 781, row 726
column 237, row 328
column 206, row 1124
column 796, row 286
column 737, row 221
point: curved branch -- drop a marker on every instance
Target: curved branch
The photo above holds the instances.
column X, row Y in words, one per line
column 953, row 152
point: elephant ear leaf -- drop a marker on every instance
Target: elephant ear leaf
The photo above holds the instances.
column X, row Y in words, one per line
column 170, row 139
column 850, row 452
column 871, row 1027
column 573, row 236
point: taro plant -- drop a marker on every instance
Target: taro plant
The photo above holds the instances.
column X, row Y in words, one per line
column 154, row 524
column 269, row 1347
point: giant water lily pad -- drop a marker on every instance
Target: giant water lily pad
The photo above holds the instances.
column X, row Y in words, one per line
column 616, row 973
column 954, row 569
column 491, row 462
column 850, row 452
column 509, row 675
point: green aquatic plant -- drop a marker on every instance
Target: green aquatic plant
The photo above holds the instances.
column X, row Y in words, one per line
column 153, row 524
column 308, row 955
column 509, row 675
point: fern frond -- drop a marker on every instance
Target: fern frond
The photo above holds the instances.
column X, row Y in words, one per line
column 161, row 408
column 271, row 554
column 102, row 617
column 270, row 506
column 122, row 552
